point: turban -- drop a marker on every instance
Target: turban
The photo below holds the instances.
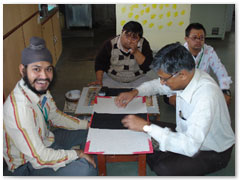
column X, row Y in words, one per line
column 36, row 52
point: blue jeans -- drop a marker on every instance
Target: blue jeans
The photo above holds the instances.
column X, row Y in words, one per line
column 64, row 139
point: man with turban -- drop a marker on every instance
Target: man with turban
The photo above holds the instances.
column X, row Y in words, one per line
column 29, row 146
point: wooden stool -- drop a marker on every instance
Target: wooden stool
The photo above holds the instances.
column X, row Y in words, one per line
column 103, row 159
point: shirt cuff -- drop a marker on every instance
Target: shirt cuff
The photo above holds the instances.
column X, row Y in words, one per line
column 72, row 155
column 83, row 124
column 156, row 131
column 159, row 134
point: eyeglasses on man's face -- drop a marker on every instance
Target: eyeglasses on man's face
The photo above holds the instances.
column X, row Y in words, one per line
column 166, row 79
column 131, row 36
column 194, row 38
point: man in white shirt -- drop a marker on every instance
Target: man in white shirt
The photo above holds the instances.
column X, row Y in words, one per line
column 205, row 59
column 30, row 148
column 202, row 139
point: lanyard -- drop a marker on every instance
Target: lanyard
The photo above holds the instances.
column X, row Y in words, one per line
column 200, row 58
column 45, row 114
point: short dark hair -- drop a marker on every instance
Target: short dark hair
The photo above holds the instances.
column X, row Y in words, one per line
column 191, row 26
column 173, row 58
column 134, row 27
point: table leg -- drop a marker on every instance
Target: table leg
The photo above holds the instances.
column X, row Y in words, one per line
column 142, row 164
column 101, row 165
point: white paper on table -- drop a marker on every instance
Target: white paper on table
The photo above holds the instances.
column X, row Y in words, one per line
column 107, row 105
column 82, row 108
column 106, row 141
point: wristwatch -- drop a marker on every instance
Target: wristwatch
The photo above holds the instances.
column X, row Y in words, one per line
column 226, row 91
column 147, row 128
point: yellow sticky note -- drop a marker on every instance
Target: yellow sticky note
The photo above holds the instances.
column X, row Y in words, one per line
column 133, row 6
column 168, row 14
column 161, row 6
column 169, row 23
column 130, row 14
column 147, row 10
column 160, row 27
column 123, row 22
column 153, row 16
column 160, row 16
column 174, row 6
column 144, row 22
column 123, row 9
column 154, row 6
column 136, row 17
column 151, row 25
column 176, row 14
column 180, row 23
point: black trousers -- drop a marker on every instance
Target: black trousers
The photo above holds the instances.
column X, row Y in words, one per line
column 172, row 164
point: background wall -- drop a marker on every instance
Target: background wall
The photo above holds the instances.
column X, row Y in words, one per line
column 162, row 23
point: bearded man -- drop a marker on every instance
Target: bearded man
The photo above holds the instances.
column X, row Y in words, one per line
column 29, row 146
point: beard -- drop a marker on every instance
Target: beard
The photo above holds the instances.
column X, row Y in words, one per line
column 41, row 92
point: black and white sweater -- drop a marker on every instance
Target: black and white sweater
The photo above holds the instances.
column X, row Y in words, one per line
column 122, row 66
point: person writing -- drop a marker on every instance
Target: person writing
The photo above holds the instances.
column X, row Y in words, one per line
column 201, row 142
column 205, row 59
column 30, row 146
column 124, row 60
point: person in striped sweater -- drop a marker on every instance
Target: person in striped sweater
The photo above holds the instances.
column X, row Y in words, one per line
column 30, row 146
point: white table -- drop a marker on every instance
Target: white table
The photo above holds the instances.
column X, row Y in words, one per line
column 85, row 103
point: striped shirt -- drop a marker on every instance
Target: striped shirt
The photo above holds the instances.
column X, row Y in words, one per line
column 26, row 136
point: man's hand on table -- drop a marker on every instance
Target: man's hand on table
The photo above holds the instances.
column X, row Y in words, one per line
column 95, row 83
column 123, row 99
column 88, row 157
column 134, row 122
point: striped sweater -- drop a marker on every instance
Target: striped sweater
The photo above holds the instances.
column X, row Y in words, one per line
column 26, row 137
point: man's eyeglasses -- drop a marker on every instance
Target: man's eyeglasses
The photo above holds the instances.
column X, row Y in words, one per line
column 200, row 38
column 166, row 79
column 131, row 36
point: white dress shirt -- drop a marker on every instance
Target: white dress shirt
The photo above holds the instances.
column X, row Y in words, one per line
column 207, row 59
column 202, row 117
column 26, row 137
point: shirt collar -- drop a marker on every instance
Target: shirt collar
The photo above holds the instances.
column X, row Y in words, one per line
column 187, row 93
column 33, row 97
column 186, row 46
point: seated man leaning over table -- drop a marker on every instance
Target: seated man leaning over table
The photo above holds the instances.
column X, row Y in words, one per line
column 30, row 148
column 205, row 58
column 201, row 142
column 124, row 60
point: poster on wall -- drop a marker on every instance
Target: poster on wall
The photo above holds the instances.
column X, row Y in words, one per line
column 162, row 23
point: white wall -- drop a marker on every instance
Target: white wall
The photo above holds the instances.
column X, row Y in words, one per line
column 162, row 23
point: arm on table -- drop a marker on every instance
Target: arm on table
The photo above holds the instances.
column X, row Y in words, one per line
column 123, row 99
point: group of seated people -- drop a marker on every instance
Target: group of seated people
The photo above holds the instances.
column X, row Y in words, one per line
column 199, row 143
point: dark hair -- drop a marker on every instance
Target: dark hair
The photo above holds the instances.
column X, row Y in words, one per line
column 134, row 27
column 191, row 26
column 173, row 58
